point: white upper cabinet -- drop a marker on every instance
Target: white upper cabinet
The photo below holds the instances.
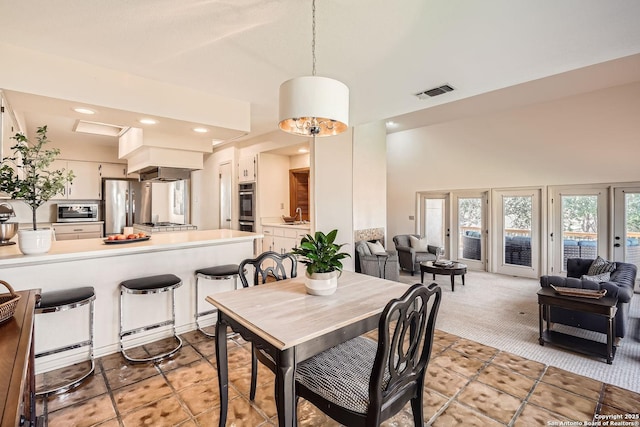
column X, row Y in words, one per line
column 247, row 169
column 113, row 170
column 86, row 181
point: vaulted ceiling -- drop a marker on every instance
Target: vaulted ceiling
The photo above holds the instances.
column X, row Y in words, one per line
column 385, row 51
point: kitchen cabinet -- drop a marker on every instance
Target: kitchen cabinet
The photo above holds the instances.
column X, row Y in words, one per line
column 86, row 181
column 247, row 169
column 77, row 230
column 115, row 170
column 282, row 239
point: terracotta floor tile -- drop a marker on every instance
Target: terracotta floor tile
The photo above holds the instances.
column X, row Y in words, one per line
column 240, row 413
column 203, row 396
column 83, row 414
column 191, row 374
column 310, row 416
column 61, row 377
column 185, row 356
column 111, row 423
column 443, row 380
column 578, row 384
column 458, row 362
column 206, row 348
column 91, row 387
column 444, row 339
column 519, row 364
column 625, row 400
column 507, row 381
column 141, row 393
column 265, row 397
column 166, row 412
column 112, row 361
column 459, row 415
column 489, row 401
column 163, row 346
column 432, row 402
column 193, row 337
column 129, row 374
column 474, row 349
column 533, row 415
column 557, row 400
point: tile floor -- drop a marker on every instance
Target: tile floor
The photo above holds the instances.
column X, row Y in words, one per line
column 468, row 384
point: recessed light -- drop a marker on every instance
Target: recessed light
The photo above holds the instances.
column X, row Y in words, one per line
column 148, row 121
column 83, row 110
column 303, row 150
column 200, row 130
column 392, row 124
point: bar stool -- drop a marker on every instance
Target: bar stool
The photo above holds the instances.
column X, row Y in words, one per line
column 150, row 285
column 57, row 301
column 219, row 272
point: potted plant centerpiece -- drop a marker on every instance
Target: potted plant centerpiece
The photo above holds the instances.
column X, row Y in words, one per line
column 323, row 260
column 26, row 176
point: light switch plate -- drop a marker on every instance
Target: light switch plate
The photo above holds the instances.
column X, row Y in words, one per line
column 411, row 217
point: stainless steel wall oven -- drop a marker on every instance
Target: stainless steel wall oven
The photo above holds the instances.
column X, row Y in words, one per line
column 247, row 197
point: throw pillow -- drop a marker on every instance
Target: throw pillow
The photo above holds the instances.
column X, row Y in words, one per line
column 601, row 265
column 376, row 248
column 420, row 245
column 603, row 277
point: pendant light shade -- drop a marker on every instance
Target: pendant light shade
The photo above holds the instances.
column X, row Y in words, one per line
column 314, row 106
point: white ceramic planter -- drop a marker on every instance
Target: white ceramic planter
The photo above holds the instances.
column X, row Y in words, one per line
column 321, row 283
column 32, row 242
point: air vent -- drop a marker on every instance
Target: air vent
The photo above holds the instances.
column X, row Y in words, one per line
column 430, row 93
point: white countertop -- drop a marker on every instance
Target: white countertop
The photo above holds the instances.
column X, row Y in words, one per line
column 70, row 250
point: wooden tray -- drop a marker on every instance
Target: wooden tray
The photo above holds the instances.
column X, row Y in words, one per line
column 577, row 292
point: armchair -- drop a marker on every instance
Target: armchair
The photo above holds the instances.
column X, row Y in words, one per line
column 372, row 264
column 409, row 257
column 620, row 285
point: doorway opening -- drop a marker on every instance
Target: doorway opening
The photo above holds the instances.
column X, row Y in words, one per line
column 299, row 192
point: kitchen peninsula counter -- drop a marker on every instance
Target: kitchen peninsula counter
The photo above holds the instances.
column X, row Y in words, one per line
column 70, row 250
column 91, row 262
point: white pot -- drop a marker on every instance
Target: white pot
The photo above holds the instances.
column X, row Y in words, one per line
column 321, row 283
column 32, row 242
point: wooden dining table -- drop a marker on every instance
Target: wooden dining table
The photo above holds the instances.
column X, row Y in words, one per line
column 291, row 326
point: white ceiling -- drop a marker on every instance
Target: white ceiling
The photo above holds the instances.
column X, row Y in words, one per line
column 384, row 51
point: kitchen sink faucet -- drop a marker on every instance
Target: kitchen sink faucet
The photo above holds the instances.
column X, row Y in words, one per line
column 299, row 212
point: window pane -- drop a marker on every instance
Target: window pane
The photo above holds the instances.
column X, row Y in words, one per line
column 579, row 227
column 470, row 228
column 518, row 214
column 632, row 228
column 434, row 221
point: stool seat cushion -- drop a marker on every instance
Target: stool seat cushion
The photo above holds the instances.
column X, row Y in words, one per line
column 66, row 296
column 219, row 270
column 152, row 282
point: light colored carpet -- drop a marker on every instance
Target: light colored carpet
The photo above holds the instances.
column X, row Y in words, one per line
column 502, row 312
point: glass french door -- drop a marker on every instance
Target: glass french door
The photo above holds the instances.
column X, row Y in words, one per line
column 580, row 218
column 470, row 213
column 435, row 221
column 518, row 227
column 626, row 225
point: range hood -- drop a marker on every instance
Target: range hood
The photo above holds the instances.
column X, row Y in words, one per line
column 164, row 174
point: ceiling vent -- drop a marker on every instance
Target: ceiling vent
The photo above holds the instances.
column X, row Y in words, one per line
column 430, row 93
column 96, row 128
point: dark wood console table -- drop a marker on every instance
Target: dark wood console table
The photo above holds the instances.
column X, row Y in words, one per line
column 17, row 376
column 605, row 307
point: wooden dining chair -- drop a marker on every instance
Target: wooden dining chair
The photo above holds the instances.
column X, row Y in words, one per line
column 361, row 382
column 268, row 266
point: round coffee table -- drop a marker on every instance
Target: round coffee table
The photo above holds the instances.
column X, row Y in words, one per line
column 456, row 269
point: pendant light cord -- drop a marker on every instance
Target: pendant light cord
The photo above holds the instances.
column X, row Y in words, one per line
column 313, row 39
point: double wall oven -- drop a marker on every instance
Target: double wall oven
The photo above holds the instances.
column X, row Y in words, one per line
column 247, row 197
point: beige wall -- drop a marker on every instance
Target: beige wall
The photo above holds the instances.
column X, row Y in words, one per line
column 590, row 138
column 369, row 176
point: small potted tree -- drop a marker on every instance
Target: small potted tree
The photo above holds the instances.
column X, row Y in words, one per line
column 26, row 176
column 323, row 260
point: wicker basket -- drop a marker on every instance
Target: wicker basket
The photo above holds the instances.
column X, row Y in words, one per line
column 8, row 303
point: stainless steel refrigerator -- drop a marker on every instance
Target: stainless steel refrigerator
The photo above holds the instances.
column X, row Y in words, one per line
column 124, row 203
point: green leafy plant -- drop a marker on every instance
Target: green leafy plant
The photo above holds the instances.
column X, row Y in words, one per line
column 25, row 175
column 320, row 253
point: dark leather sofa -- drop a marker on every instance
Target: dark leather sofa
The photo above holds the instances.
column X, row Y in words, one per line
column 620, row 285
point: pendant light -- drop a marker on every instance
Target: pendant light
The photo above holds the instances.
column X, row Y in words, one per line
column 314, row 105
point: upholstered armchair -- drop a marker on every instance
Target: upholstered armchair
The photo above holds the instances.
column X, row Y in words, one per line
column 409, row 256
column 620, row 285
column 368, row 262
